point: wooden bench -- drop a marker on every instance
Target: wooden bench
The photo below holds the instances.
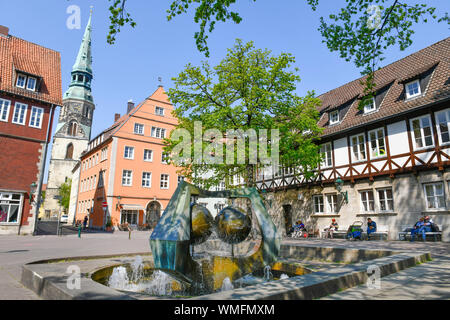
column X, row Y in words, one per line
column 406, row 233
column 340, row 233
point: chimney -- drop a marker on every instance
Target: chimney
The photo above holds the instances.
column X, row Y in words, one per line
column 4, row 31
column 130, row 105
column 116, row 117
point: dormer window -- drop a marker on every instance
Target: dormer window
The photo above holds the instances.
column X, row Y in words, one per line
column 26, row 82
column 31, row 84
column 21, row 80
column 334, row 117
column 370, row 106
column 412, row 89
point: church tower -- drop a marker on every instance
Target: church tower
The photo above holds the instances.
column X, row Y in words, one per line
column 73, row 131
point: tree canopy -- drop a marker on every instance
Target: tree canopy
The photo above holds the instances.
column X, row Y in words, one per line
column 250, row 89
column 64, row 193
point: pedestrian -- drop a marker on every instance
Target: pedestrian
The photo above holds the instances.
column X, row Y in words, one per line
column 371, row 227
column 85, row 222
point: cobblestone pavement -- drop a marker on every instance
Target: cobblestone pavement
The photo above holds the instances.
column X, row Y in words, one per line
column 16, row 251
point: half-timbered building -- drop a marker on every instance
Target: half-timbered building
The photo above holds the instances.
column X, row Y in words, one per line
column 390, row 157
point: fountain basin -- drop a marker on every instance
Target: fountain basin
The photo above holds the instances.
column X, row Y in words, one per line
column 217, row 274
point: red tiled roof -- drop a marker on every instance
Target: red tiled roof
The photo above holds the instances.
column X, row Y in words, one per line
column 21, row 55
column 436, row 55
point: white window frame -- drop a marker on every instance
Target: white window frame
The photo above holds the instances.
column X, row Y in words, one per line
column 104, row 154
column 158, row 133
column 130, row 156
column 332, row 113
column 422, row 135
column 159, row 113
column 126, row 177
column 333, row 204
column 19, row 104
column 6, row 199
column 161, row 181
column 361, row 192
column 377, row 142
column 419, row 91
column 434, row 196
column 386, row 199
column 147, row 180
column 359, row 159
column 24, row 80
column 151, row 155
column 4, row 104
column 373, row 107
column 141, row 126
column 321, row 204
column 446, row 114
column 28, row 83
column 327, row 152
column 41, row 117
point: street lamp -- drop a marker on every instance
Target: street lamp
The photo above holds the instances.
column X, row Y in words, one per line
column 339, row 183
column 33, row 188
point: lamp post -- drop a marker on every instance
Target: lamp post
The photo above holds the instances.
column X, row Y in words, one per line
column 339, row 183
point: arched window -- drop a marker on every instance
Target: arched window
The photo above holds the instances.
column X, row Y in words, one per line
column 73, row 129
column 69, row 151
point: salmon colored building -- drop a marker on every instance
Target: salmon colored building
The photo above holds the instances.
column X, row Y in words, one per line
column 123, row 174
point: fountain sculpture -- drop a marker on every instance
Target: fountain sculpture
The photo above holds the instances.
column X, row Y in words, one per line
column 184, row 224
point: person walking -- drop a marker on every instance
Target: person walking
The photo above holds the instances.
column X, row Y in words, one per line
column 85, row 222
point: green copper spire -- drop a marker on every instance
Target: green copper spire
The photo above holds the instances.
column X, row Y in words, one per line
column 80, row 86
column 84, row 58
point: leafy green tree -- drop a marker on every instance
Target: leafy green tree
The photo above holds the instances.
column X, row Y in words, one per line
column 250, row 89
column 64, row 193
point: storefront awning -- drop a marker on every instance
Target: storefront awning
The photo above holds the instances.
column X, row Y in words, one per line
column 132, row 207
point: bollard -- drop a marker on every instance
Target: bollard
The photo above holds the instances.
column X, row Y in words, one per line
column 129, row 234
column 79, row 231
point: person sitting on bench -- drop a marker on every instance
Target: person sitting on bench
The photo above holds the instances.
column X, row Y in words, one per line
column 333, row 227
column 417, row 228
column 299, row 227
column 371, row 227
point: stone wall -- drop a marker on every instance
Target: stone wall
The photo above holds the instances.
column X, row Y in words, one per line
column 409, row 204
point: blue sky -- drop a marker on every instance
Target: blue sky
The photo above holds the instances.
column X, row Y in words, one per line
column 158, row 48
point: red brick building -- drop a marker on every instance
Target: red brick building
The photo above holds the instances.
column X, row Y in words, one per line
column 30, row 91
